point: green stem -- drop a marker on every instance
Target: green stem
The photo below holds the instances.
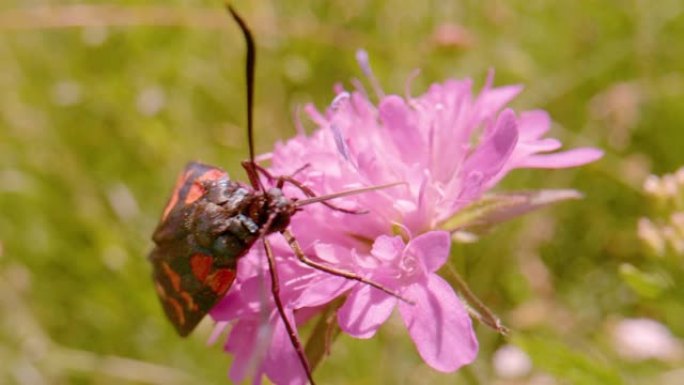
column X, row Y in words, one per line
column 476, row 308
column 324, row 334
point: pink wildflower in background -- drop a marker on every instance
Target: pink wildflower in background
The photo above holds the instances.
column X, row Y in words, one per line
column 449, row 146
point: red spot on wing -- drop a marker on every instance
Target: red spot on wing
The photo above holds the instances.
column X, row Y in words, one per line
column 174, row 196
column 212, row 174
column 221, row 280
column 197, row 189
column 201, row 266
column 195, row 193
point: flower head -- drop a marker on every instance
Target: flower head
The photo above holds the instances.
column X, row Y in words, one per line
column 448, row 147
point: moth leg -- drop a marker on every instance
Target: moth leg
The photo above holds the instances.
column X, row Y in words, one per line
column 310, row 193
column 281, row 180
column 270, row 176
column 294, row 245
column 302, row 168
column 251, row 170
column 291, row 332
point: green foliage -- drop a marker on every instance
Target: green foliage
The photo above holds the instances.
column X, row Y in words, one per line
column 96, row 121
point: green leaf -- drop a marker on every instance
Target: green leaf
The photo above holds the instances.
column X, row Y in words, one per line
column 647, row 285
column 567, row 364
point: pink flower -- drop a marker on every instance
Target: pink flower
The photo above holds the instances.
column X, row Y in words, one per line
column 258, row 338
column 449, row 147
column 437, row 320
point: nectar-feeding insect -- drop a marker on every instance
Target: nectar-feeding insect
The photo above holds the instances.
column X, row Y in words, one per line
column 210, row 222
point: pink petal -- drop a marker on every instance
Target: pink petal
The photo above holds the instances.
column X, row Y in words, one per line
column 491, row 100
column 327, row 252
column 387, row 248
column 241, row 343
column 401, row 123
column 228, row 308
column 432, row 248
column 533, row 124
column 540, row 145
column 491, row 156
column 439, row 325
column 217, row 332
column 362, row 107
column 241, row 300
column 314, row 115
column 364, row 311
column 496, row 98
column 282, row 364
column 323, row 290
column 570, row 158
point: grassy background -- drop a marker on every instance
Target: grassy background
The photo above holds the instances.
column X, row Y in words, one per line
column 101, row 106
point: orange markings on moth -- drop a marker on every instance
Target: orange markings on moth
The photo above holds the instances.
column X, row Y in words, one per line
column 221, row 280
column 173, row 277
column 195, row 193
column 160, row 290
column 198, row 189
column 174, row 197
column 201, row 266
column 176, row 283
column 212, row 174
column 188, row 300
column 178, row 308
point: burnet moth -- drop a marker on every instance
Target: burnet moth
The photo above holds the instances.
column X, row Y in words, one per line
column 210, row 222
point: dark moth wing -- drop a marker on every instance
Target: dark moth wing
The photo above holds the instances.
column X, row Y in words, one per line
column 189, row 279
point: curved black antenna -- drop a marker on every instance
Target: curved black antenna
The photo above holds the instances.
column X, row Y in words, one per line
column 249, row 71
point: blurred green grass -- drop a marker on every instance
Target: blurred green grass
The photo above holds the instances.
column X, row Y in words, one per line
column 96, row 121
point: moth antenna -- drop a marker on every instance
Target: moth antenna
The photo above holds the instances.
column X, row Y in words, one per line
column 249, row 72
column 323, row 198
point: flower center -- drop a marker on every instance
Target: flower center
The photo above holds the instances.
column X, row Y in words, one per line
column 409, row 266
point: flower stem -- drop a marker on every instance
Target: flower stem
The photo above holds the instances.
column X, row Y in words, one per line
column 324, row 334
column 476, row 308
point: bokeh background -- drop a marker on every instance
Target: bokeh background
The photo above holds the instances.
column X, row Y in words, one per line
column 102, row 104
